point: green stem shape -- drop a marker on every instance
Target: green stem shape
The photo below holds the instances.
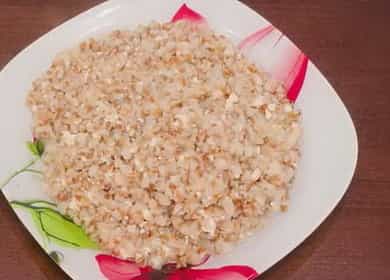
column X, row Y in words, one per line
column 26, row 168
column 33, row 171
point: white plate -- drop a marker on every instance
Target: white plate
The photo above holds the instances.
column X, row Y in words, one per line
column 329, row 146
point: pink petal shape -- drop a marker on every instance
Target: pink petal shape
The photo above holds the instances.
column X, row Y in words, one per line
column 117, row 269
column 279, row 57
column 295, row 83
column 291, row 71
column 235, row 272
column 185, row 13
column 254, row 38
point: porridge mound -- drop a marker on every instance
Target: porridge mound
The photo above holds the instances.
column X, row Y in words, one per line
column 165, row 143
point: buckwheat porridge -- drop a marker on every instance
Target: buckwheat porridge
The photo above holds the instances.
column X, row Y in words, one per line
column 165, row 143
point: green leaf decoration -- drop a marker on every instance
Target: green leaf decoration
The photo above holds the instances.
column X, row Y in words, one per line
column 32, row 148
column 64, row 232
column 34, row 215
column 37, row 223
column 54, row 226
column 40, row 147
column 36, row 147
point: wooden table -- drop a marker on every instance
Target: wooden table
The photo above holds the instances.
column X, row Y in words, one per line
column 349, row 41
